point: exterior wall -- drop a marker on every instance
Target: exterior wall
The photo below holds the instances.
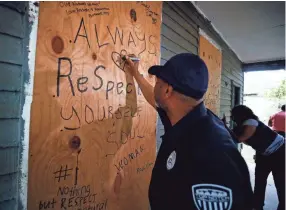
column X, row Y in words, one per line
column 180, row 33
column 14, row 33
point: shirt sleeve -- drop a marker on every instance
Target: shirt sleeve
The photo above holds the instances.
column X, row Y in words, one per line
column 221, row 181
column 251, row 122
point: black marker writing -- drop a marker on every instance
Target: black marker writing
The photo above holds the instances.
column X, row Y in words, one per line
column 47, row 204
column 96, row 75
column 115, row 36
column 131, row 39
column 81, row 81
column 85, row 35
column 88, row 109
column 63, row 75
column 73, row 111
column 97, row 39
column 144, row 40
column 62, row 173
column 153, row 44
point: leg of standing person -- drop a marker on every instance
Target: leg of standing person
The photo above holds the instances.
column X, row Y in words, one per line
column 262, row 170
column 278, row 171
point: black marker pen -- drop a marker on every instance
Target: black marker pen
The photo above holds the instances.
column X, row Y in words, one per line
column 134, row 59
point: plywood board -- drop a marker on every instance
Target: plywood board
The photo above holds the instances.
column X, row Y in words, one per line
column 92, row 134
column 212, row 56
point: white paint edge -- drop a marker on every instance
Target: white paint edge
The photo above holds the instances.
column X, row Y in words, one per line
column 216, row 30
column 28, row 94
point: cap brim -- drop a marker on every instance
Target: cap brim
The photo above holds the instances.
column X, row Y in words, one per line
column 155, row 70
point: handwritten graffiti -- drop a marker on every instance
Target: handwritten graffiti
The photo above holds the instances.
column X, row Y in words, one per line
column 145, row 167
column 118, row 139
column 76, row 197
column 48, row 204
column 83, row 85
column 85, row 91
column 62, row 173
column 117, row 59
column 98, row 113
column 117, row 36
column 126, row 160
column 149, row 13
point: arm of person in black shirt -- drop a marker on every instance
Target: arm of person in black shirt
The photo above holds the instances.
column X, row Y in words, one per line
column 146, row 88
column 246, row 132
column 222, row 181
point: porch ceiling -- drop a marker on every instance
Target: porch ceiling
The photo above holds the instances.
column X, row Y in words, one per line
column 254, row 30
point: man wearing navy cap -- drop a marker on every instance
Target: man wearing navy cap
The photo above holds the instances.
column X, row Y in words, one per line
column 198, row 166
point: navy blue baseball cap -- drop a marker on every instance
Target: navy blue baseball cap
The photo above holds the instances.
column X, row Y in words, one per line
column 186, row 73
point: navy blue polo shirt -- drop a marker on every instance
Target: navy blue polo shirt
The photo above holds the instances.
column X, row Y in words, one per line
column 198, row 166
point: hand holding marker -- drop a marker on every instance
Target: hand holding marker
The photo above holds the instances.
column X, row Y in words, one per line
column 131, row 57
column 132, row 63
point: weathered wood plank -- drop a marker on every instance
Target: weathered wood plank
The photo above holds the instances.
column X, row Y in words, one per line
column 9, row 160
column 166, row 54
column 10, row 77
column 177, row 38
column 8, row 181
column 170, row 45
column 168, row 21
column 186, row 14
column 10, row 105
column 177, row 17
column 9, row 137
column 11, row 22
column 13, row 49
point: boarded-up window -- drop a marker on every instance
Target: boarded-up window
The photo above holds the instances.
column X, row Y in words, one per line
column 92, row 139
column 213, row 59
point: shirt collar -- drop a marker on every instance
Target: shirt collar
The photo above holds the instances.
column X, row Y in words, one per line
column 194, row 115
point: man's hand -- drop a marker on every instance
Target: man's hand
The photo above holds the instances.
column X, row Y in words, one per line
column 146, row 88
column 130, row 66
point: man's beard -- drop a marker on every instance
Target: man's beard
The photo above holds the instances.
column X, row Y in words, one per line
column 160, row 105
column 157, row 104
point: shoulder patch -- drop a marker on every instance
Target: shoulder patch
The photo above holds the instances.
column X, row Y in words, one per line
column 212, row 197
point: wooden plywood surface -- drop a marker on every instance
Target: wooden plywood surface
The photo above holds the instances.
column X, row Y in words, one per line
column 213, row 59
column 92, row 134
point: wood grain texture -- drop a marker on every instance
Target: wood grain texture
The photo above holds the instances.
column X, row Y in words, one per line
column 213, row 59
column 92, row 136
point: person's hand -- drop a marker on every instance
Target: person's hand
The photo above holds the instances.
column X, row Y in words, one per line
column 130, row 66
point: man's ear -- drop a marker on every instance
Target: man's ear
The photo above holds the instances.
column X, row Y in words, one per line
column 169, row 91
